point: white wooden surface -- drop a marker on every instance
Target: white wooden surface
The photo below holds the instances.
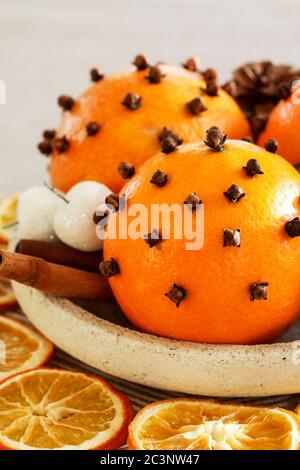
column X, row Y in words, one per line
column 47, row 48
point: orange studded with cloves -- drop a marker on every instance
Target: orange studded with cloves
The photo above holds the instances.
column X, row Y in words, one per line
column 284, row 126
column 121, row 119
column 243, row 285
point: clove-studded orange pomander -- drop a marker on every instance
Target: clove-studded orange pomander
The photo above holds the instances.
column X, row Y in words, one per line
column 121, row 118
column 243, row 286
column 284, row 126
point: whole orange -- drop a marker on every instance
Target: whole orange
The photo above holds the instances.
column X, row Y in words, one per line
column 245, row 292
column 284, row 126
column 130, row 132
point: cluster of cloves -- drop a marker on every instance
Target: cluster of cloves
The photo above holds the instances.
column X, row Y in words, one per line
column 155, row 74
column 197, row 105
column 210, row 77
column 132, row 101
column 66, row 102
column 169, row 141
column 112, row 202
column 45, row 146
column 52, row 143
column 165, row 132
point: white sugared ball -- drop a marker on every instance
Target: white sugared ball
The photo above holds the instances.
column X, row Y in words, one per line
column 36, row 210
column 73, row 222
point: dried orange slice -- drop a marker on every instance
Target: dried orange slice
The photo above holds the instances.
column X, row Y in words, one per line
column 8, row 300
column 57, row 409
column 8, row 216
column 206, row 425
column 24, row 348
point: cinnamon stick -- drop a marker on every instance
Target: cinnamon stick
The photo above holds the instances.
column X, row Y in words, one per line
column 53, row 279
column 59, row 253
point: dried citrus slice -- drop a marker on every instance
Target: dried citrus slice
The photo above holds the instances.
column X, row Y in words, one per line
column 8, row 216
column 24, row 348
column 8, row 300
column 205, row 425
column 57, row 409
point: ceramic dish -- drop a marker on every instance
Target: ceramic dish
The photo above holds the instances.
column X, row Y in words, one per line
column 100, row 337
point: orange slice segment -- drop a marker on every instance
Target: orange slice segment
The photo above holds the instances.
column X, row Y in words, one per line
column 22, row 347
column 204, row 425
column 8, row 300
column 8, row 215
column 57, row 409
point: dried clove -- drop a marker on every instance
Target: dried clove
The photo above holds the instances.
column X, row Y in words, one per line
column 96, row 75
column 165, row 132
column 253, row 168
column 193, row 200
column 259, row 291
column 292, row 228
column 113, row 200
column 192, row 64
column 126, row 170
column 132, row 101
column 168, row 144
column 60, row 144
column 97, row 218
column 109, row 268
column 92, row 128
column 155, row 74
column 196, row 106
column 49, row 134
column 234, row 193
column 159, row 179
column 215, row 139
column 176, row 294
column 45, row 147
column 271, row 145
column 232, row 238
column 210, row 78
column 140, row 62
column 66, row 102
column 153, row 238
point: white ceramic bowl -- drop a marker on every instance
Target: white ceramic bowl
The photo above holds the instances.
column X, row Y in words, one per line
column 101, row 340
